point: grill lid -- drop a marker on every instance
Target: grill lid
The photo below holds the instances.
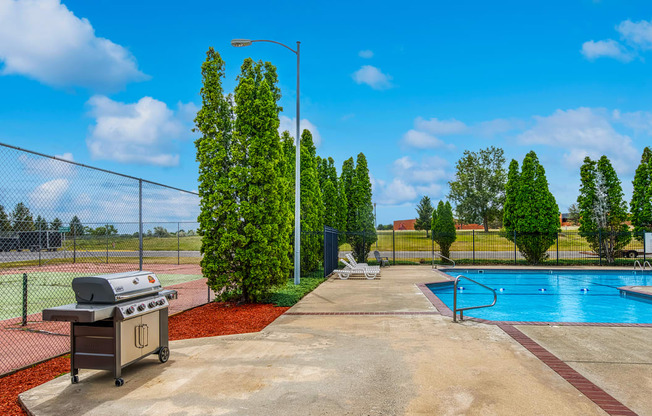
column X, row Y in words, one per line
column 113, row 288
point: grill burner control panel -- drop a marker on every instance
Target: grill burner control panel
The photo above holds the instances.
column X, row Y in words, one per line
column 140, row 307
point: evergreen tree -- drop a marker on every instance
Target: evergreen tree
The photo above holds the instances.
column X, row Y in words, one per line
column 312, row 220
column 56, row 224
column 346, row 190
column 40, row 224
column 641, row 206
column 363, row 214
column 531, row 214
column 443, row 228
column 218, row 218
column 261, row 230
column 602, row 208
column 76, row 227
column 424, row 215
column 289, row 159
column 21, row 218
column 5, row 224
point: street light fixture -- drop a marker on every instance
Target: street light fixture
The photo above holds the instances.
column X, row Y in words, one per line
column 239, row 43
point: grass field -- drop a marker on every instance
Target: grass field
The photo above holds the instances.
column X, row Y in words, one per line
column 467, row 240
column 48, row 289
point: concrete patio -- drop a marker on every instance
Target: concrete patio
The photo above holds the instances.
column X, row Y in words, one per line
column 409, row 360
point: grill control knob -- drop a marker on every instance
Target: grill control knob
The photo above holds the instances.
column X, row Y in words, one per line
column 161, row 302
column 130, row 310
column 141, row 307
column 152, row 304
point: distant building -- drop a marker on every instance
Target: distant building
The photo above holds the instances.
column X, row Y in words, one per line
column 403, row 225
column 468, row 226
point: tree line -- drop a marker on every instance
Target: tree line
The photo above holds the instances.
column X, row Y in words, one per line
column 246, row 187
column 520, row 202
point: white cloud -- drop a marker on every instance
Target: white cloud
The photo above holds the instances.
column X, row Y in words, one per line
column 583, row 132
column 636, row 33
column 412, row 180
column 46, row 196
column 441, row 127
column 423, row 140
column 45, row 41
column 639, row 121
column 142, row 132
column 290, row 124
column 367, row 54
column 373, row 77
column 609, row 48
column 43, row 166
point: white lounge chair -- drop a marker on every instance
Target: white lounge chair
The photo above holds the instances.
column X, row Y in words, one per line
column 370, row 272
column 354, row 263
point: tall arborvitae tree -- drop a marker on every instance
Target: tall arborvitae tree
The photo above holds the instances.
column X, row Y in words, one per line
column 602, row 208
column 218, row 218
column 312, row 221
column 531, row 214
column 262, row 244
column 363, row 212
column 347, row 189
column 244, row 220
column 5, row 224
column 641, row 206
column 40, row 224
column 443, row 228
column 21, row 218
column 424, row 215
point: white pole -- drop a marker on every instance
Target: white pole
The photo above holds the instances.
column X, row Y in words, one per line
column 297, row 190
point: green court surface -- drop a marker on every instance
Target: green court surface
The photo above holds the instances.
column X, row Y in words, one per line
column 48, row 289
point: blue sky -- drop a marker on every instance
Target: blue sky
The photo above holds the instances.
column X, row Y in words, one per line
column 115, row 84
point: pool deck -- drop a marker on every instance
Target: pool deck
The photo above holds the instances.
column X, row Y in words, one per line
column 380, row 347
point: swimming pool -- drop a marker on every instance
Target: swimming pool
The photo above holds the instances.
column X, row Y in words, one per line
column 551, row 295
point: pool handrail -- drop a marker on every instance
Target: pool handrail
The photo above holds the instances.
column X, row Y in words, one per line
column 639, row 265
column 648, row 263
column 461, row 310
column 434, row 266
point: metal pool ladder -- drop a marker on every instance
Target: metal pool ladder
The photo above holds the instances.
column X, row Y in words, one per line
column 434, row 266
column 646, row 263
column 461, row 310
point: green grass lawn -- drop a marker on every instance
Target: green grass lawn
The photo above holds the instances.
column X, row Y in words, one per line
column 48, row 289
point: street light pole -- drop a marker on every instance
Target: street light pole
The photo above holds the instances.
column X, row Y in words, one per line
column 297, row 163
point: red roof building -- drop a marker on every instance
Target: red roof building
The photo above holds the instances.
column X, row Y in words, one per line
column 403, row 225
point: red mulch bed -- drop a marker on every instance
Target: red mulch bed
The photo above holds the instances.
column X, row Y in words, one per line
column 204, row 321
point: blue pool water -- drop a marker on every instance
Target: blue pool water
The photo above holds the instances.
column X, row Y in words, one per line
column 551, row 296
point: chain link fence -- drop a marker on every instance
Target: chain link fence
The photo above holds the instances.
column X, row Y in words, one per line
column 567, row 248
column 60, row 220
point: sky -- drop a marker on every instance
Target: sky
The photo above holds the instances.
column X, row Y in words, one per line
column 115, row 84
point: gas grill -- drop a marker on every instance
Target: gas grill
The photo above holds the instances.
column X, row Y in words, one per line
column 118, row 319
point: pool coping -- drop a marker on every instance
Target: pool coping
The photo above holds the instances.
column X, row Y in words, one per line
column 593, row 392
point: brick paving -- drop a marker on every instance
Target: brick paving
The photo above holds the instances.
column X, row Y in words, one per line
column 601, row 398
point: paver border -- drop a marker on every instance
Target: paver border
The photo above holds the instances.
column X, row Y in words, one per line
column 592, row 391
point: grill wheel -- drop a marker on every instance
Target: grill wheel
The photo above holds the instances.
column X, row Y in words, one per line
column 163, row 354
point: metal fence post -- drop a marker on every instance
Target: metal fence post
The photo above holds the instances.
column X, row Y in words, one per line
column 514, row 247
column 364, row 246
column 393, row 247
column 40, row 243
column 107, row 243
column 473, row 233
column 432, row 243
column 644, row 249
column 24, row 299
column 74, row 244
column 178, row 245
column 600, row 247
column 140, row 224
column 557, row 249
